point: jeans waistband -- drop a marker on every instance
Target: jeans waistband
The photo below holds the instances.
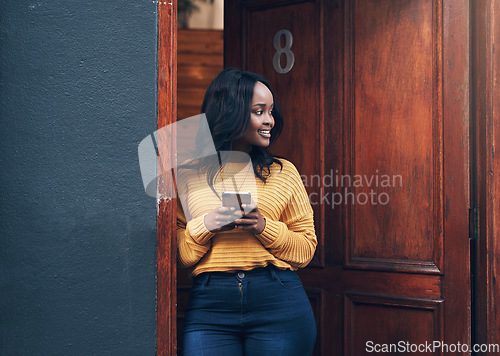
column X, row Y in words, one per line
column 271, row 270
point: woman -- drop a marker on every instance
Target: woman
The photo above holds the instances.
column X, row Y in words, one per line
column 246, row 297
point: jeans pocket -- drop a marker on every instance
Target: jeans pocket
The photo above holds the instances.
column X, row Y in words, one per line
column 288, row 279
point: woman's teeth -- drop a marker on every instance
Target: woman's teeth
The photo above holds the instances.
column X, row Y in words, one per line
column 265, row 133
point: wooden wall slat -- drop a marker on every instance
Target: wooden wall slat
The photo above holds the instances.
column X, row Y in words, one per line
column 200, row 58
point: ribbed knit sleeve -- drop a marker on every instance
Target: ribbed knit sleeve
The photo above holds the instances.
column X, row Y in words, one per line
column 291, row 237
column 193, row 238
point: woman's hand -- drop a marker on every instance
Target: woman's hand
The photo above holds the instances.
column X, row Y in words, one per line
column 252, row 221
column 220, row 219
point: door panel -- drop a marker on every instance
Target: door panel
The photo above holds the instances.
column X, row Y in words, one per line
column 304, row 138
column 393, row 135
column 376, row 120
column 390, row 321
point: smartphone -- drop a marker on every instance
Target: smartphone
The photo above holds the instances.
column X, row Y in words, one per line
column 236, row 199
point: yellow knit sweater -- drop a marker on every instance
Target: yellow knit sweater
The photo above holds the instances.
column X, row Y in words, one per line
column 287, row 242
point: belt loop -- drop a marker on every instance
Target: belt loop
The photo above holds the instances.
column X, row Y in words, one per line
column 204, row 278
column 207, row 280
column 273, row 272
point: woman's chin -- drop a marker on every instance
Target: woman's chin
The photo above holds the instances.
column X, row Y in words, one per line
column 264, row 142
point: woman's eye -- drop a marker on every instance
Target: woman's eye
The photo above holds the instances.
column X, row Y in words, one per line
column 258, row 112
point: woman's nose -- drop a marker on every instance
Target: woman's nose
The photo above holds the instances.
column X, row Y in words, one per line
column 269, row 119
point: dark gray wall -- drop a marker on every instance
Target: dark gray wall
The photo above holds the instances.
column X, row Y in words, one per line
column 77, row 231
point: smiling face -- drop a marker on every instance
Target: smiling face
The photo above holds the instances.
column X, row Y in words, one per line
column 258, row 132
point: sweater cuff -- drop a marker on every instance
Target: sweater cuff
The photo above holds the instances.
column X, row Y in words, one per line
column 198, row 231
column 274, row 232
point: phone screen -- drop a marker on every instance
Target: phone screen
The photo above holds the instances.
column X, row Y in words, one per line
column 236, row 199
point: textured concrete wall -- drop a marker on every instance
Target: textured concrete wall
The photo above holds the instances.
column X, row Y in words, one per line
column 77, row 231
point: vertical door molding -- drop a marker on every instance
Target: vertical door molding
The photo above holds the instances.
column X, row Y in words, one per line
column 166, row 286
column 486, row 129
column 456, row 170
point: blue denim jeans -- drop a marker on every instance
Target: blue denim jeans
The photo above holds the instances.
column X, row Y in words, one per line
column 260, row 312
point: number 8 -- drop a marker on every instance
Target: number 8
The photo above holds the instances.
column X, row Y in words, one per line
column 290, row 58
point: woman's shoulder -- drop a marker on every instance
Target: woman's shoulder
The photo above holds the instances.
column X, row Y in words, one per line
column 286, row 169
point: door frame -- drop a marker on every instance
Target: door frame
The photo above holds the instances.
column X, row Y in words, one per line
column 485, row 170
column 485, row 122
column 166, row 223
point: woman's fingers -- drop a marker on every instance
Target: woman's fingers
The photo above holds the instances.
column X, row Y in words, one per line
column 249, row 207
column 219, row 219
column 227, row 218
column 244, row 221
column 224, row 210
column 252, row 220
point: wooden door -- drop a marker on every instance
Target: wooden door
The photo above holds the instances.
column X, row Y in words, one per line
column 376, row 105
